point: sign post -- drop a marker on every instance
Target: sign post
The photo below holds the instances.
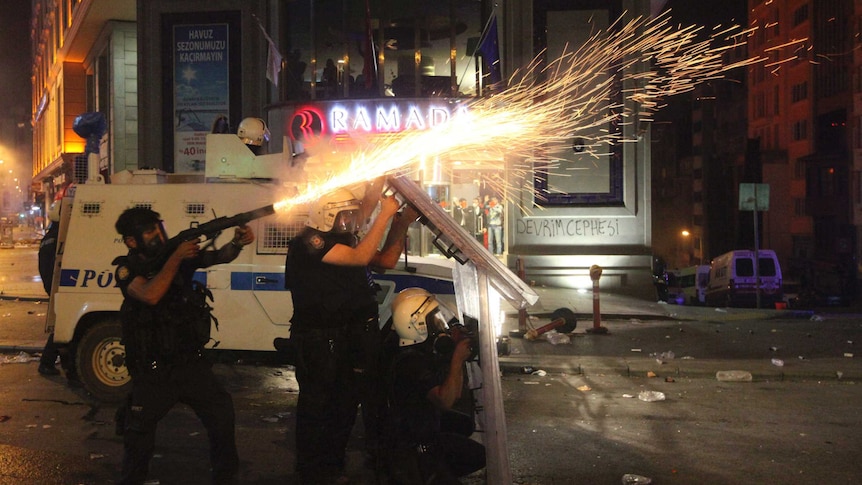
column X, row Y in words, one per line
column 755, row 197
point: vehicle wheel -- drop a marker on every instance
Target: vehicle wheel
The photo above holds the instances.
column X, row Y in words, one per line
column 101, row 362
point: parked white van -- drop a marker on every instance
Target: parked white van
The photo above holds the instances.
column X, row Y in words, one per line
column 732, row 280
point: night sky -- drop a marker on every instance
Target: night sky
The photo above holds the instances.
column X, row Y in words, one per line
column 15, row 59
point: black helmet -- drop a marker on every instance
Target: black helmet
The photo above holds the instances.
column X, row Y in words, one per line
column 132, row 222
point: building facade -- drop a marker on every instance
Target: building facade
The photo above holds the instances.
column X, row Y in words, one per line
column 801, row 110
column 164, row 72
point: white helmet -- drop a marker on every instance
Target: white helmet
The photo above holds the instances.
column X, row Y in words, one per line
column 54, row 211
column 253, row 131
column 416, row 315
column 336, row 211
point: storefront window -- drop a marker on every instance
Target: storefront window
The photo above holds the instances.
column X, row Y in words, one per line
column 338, row 49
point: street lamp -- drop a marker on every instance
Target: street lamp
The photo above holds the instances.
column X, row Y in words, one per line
column 685, row 233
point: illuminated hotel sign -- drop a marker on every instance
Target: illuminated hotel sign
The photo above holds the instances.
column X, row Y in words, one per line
column 311, row 123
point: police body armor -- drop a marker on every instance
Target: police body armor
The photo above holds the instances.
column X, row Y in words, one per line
column 170, row 332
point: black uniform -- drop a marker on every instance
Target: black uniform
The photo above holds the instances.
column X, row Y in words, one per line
column 427, row 445
column 164, row 345
column 335, row 332
column 47, row 255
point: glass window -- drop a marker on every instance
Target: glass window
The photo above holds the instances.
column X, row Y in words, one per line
column 744, row 267
column 332, row 53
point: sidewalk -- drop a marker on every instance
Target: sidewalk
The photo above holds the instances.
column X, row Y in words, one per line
column 700, row 341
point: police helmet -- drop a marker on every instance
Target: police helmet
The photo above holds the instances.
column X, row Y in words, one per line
column 417, row 316
column 54, row 211
column 336, row 211
column 253, row 131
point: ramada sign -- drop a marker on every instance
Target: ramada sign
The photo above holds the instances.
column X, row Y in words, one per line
column 311, row 123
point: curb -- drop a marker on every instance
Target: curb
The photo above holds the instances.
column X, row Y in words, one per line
column 821, row 369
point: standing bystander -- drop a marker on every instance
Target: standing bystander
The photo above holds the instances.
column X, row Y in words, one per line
column 495, row 226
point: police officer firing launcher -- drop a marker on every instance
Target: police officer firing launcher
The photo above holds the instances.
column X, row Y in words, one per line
column 166, row 322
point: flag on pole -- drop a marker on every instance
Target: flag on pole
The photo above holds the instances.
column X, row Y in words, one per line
column 490, row 49
column 273, row 56
column 369, row 69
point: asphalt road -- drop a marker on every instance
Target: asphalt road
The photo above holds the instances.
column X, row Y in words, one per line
column 580, row 422
column 561, row 429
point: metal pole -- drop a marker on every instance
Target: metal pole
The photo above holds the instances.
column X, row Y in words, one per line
column 756, row 255
column 595, row 274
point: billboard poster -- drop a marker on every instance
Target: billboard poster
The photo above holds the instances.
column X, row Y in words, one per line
column 201, row 90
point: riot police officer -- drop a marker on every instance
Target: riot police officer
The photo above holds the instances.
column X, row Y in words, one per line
column 166, row 321
column 335, row 328
column 428, row 439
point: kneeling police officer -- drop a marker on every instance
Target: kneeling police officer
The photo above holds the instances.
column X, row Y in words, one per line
column 428, row 440
column 166, row 322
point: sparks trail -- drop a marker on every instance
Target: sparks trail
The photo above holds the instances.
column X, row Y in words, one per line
column 550, row 103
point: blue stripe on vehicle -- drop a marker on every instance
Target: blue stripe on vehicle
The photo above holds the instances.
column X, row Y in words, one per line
column 257, row 281
column 69, row 277
column 242, row 280
column 200, row 277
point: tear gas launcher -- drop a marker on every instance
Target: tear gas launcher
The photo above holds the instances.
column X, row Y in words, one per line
column 211, row 229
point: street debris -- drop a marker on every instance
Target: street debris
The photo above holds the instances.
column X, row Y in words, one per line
column 651, row 374
column 96, row 456
column 636, row 350
column 275, row 418
column 778, row 362
column 651, row 396
column 585, row 388
column 733, row 376
column 539, row 373
column 632, row 479
column 663, row 357
column 816, row 318
column 19, row 358
column 556, row 338
column 848, row 354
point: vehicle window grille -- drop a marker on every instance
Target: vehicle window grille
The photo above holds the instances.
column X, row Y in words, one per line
column 276, row 236
column 91, row 208
column 195, row 208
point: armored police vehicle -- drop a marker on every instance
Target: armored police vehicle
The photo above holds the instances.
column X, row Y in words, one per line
column 251, row 305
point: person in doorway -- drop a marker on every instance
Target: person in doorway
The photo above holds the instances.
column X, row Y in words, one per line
column 335, row 329
column 469, row 218
column 428, row 440
column 329, row 78
column 166, row 323
column 479, row 221
column 495, row 226
column 457, row 212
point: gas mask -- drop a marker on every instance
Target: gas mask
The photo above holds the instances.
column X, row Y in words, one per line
column 154, row 245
